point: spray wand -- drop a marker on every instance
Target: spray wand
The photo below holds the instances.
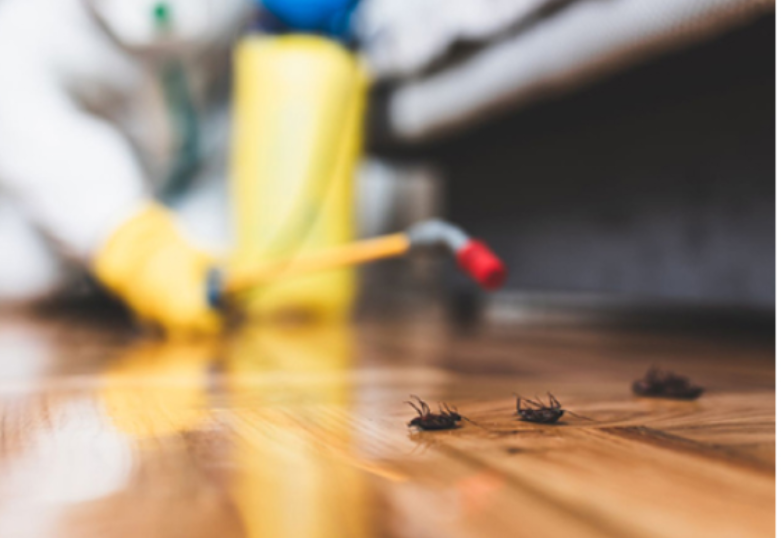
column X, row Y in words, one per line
column 473, row 256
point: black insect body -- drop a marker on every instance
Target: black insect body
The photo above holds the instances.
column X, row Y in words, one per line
column 658, row 384
column 536, row 411
column 447, row 419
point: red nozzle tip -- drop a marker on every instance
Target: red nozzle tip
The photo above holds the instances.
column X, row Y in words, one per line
column 477, row 259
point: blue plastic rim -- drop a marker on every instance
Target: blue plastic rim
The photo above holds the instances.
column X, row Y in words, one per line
column 331, row 17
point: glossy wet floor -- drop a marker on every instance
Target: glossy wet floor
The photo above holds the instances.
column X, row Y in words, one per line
column 301, row 432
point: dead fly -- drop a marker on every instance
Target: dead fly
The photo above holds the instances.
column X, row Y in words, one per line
column 447, row 419
column 658, row 384
column 536, row 411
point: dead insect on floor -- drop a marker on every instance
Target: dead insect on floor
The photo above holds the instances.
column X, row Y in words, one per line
column 658, row 384
column 447, row 419
column 536, row 411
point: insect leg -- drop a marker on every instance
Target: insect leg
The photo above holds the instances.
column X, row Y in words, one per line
column 579, row 416
column 517, row 402
column 420, row 413
column 423, row 405
column 531, row 404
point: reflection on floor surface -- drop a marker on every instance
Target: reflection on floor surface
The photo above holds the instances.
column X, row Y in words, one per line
column 301, row 432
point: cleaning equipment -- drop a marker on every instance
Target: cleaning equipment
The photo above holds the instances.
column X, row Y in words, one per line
column 183, row 114
column 473, row 256
column 298, row 128
column 330, row 17
column 298, row 123
column 147, row 253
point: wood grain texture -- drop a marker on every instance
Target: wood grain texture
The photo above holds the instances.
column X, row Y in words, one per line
column 301, row 432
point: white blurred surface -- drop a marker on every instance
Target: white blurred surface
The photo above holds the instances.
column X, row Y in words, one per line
column 401, row 37
column 579, row 42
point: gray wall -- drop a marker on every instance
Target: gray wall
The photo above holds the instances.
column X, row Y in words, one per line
column 656, row 183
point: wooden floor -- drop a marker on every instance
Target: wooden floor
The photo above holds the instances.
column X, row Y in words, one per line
column 300, row 432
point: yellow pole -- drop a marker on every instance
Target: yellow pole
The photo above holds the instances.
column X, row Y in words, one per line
column 332, row 258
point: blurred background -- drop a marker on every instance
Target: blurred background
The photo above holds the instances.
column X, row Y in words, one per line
column 616, row 153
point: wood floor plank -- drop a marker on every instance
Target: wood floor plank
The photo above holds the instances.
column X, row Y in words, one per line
column 303, row 433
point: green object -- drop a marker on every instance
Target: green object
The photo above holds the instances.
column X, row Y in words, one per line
column 184, row 115
column 162, row 15
column 186, row 124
